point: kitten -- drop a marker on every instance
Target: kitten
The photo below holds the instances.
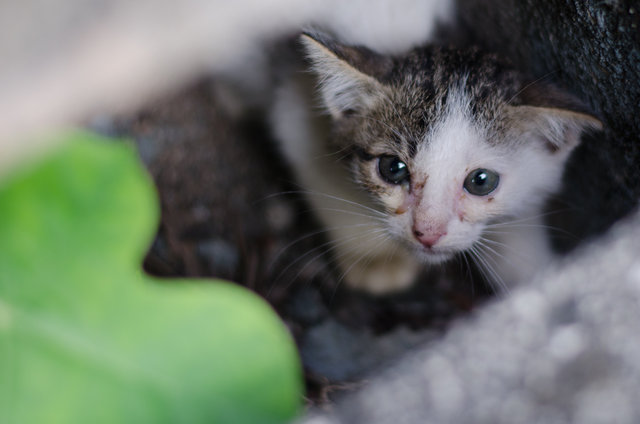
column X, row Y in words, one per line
column 427, row 156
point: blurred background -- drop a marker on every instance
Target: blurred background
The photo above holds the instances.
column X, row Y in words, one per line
column 189, row 83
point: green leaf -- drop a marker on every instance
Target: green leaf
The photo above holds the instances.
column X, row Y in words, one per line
column 86, row 337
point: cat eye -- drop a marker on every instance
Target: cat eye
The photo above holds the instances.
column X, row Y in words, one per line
column 481, row 182
column 392, row 169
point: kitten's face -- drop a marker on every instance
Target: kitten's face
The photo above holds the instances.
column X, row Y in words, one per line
column 442, row 185
column 444, row 141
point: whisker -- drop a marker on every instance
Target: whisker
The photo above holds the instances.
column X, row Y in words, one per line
column 531, row 84
column 473, row 258
column 495, row 242
column 309, row 235
column 340, row 199
column 506, row 229
column 488, row 257
column 467, row 266
column 391, row 253
column 344, row 149
column 333, row 261
column 383, row 236
column 525, row 219
column 494, row 279
column 310, row 251
column 486, row 242
column 332, row 245
column 348, row 212
column 483, row 243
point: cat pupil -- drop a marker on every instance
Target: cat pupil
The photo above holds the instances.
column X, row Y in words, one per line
column 480, row 179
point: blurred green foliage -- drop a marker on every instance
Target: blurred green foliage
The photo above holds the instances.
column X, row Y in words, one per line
column 86, row 337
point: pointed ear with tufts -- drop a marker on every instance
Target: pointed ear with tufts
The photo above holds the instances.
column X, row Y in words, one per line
column 557, row 118
column 349, row 76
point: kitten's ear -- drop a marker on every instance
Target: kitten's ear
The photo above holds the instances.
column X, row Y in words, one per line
column 558, row 118
column 349, row 76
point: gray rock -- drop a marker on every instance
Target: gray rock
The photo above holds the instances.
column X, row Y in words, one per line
column 338, row 353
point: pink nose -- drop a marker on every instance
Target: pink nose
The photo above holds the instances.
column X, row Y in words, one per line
column 429, row 239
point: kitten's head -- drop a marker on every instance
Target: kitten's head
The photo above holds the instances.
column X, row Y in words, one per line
column 447, row 141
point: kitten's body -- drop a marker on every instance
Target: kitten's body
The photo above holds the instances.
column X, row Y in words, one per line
column 440, row 114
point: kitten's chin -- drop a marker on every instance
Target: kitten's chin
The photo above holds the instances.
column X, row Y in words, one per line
column 435, row 257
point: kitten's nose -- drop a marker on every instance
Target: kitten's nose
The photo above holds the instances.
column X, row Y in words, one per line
column 429, row 239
